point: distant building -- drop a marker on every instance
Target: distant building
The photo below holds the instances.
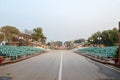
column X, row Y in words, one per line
column 68, row 44
column 79, row 43
column 56, row 44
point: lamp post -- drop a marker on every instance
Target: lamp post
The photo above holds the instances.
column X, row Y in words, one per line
column 119, row 43
column 91, row 42
column 99, row 39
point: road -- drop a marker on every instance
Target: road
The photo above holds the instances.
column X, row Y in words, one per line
column 59, row 65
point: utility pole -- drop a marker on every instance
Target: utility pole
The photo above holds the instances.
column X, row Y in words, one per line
column 119, row 43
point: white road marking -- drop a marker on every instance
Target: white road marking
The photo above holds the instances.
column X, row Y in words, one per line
column 115, row 69
column 111, row 68
column 60, row 69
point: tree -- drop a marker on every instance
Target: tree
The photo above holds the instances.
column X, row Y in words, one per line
column 10, row 32
column 109, row 37
column 43, row 39
column 48, row 43
column 27, row 32
column 38, row 35
column 79, row 40
column 27, row 36
column 1, row 37
column 94, row 37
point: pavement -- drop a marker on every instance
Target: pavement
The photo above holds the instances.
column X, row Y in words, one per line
column 59, row 65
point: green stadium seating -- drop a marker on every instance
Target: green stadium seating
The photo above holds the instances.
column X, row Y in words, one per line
column 12, row 51
column 98, row 51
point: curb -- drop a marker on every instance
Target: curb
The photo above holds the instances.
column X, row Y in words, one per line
column 15, row 61
column 103, row 62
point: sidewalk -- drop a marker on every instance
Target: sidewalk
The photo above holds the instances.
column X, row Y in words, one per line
column 104, row 60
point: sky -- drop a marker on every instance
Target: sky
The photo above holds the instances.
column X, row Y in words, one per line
column 61, row 20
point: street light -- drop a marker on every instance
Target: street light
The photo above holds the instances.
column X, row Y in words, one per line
column 99, row 39
column 119, row 42
column 91, row 40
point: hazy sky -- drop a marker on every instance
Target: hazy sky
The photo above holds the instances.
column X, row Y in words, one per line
column 61, row 19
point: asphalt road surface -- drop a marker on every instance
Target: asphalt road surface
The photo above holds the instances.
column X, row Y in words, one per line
column 59, row 65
